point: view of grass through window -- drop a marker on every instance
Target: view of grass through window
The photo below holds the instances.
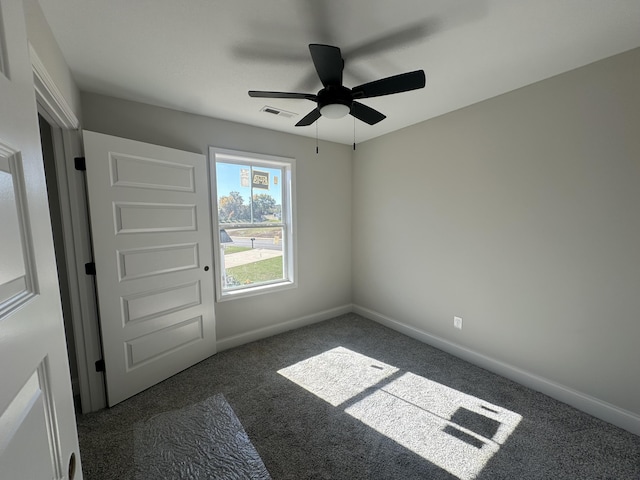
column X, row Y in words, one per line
column 252, row 256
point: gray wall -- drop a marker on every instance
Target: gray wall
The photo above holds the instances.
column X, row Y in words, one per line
column 323, row 204
column 520, row 214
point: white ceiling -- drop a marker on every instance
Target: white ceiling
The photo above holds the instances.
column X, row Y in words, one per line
column 202, row 56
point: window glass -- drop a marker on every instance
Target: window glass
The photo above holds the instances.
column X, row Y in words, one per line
column 254, row 221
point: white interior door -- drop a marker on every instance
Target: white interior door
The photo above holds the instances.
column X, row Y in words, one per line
column 38, row 436
column 151, row 226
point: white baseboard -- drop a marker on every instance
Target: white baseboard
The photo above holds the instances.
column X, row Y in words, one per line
column 252, row 336
column 591, row 405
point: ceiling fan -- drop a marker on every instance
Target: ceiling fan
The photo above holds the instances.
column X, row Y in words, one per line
column 335, row 100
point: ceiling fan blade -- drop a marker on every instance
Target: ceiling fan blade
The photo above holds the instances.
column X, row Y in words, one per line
column 328, row 62
column 387, row 86
column 311, row 117
column 366, row 114
column 261, row 94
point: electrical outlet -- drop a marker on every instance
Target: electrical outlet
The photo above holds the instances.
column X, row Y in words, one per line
column 457, row 322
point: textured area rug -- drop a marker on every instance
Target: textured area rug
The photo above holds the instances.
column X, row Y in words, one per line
column 201, row 441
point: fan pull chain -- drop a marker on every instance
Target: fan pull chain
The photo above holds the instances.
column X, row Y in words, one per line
column 317, row 150
column 354, row 133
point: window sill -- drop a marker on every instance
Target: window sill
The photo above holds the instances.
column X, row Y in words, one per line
column 257, row 290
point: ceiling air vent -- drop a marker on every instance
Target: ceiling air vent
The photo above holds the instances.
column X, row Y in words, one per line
column 277, row 111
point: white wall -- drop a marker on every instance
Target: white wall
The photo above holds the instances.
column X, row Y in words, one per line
column 520, row 214
column 323, row 209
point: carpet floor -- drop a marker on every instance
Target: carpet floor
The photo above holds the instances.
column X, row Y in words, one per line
column 350, row 399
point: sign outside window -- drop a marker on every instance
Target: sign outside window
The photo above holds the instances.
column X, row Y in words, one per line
column 244, row 177
column 260, row 179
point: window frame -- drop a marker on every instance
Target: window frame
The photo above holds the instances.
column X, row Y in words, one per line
column 288, row 220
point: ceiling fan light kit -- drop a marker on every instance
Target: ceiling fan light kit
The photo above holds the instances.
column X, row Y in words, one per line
column 335, row 100
column 335, row 110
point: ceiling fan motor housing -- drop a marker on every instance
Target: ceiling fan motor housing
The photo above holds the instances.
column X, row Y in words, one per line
column 335, row 94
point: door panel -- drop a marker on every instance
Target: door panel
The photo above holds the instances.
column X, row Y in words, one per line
column 149, row 305
column 153, row 261
column 131, row 171
column 147, row 218
column 30, row 419
column 37, row 423
column 16, row 256
column 151, row 224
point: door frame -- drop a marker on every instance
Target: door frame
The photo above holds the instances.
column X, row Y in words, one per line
column 67, row 143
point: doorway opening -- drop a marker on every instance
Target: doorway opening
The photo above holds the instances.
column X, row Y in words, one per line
column 48, row 155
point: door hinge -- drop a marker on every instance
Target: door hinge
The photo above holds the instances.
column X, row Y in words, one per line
column 90, row 268
column 100, row 365
column 80, row 163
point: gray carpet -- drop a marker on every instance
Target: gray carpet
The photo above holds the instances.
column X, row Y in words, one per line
column 350, row 399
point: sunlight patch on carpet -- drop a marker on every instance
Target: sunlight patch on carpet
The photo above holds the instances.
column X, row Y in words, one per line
column 453, row 430
column 338, row 374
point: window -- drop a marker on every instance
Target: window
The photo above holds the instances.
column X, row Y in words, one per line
column 253, row 222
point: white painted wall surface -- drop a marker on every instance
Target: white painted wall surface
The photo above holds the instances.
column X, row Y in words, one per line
column 323, row 209
column 519, row 214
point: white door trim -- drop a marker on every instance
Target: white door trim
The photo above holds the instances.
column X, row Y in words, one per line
column 67, row 139
column 49, row 95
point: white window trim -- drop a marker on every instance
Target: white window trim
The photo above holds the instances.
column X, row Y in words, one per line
column 289, row 206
